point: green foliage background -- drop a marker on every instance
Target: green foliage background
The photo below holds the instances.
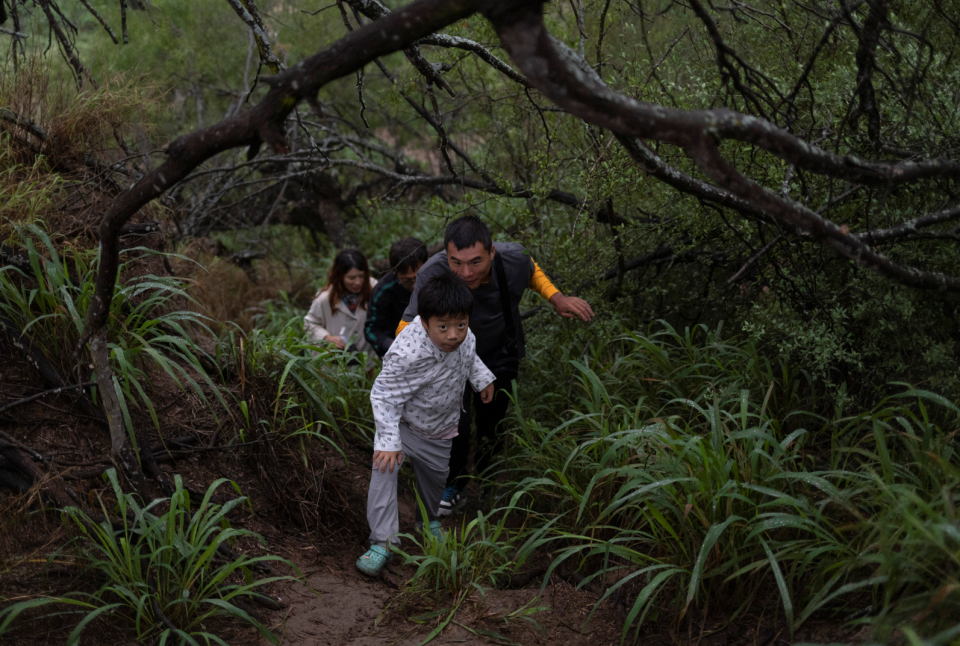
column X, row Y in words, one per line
column 843, row 324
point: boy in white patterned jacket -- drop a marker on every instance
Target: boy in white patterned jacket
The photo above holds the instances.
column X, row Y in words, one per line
column 416, row 404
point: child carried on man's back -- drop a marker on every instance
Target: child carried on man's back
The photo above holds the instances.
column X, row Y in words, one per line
column 416, row 404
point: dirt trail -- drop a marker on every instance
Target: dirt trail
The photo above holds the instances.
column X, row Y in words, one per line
column 342, row 611
column 340, row 608
column 333, row 610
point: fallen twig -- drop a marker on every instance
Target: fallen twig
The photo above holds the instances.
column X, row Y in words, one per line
column 52, row 391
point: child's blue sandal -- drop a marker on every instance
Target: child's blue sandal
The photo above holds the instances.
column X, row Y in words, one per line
column 435, row 528
column 374, row 560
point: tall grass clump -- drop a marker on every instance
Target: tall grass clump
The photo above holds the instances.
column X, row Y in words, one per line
column 47, row 303
column 909, row 528
column 160, row 569
column 289, row 383
column 639, row 371
column 292, row 399
column 690, row 473
column 478, row 553
column 57, row 145
column 27, row 191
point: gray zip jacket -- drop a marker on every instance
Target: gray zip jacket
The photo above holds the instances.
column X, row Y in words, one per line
column 422, row 386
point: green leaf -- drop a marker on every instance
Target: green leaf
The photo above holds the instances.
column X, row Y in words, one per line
column 708, row 542
column 9, row 614
column 781, row 584
column 74, row 637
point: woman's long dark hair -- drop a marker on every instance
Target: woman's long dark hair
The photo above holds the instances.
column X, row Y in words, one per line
column 345, row 261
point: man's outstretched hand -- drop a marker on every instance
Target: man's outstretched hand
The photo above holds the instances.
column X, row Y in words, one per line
column 570, row 307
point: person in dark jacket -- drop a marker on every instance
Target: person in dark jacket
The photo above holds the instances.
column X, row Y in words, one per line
column 469, row 253
column 392, row 294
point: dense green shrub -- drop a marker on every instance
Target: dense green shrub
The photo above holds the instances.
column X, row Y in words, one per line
column 678, row 476
column 47, row 303
column 160, row 568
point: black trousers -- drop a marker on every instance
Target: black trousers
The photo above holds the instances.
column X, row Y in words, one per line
column 489, row 432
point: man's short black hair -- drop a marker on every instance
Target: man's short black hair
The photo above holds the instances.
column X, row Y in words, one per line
column 407, row 254
column 444, row 295
column 467, row 231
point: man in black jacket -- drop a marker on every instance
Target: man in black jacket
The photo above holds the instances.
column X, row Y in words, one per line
column 469, row 253
column 391, row 296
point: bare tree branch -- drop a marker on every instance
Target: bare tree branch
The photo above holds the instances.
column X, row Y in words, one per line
column 93, row 12
column 53, row 391
column 433, row 123
column 911, row 228
column 728, row 70
column 800, row 220
column 374, row 10
column 824, row 39
column 456, row 42
column 22, row 122
column 685, row 183
column 565, row 78
column 79, row 70
column 247, row 10
column 752, row 260
column 123, row 22
column 560, row 74
column 15, row 34
column 866, row 62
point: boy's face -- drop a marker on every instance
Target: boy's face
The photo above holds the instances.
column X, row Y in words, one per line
column 447, row 332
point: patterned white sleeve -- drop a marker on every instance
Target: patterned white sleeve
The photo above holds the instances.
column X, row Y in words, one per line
column 402, row 375
column 480, row 376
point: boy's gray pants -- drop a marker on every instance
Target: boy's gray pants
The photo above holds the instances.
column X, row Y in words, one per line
column 431, row 463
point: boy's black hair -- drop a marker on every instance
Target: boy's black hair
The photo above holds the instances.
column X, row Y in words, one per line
column 444, row 295
column 467, row 231
column 407, row 254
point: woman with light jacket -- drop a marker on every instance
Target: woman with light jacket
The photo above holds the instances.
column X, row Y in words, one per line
column 339, row 310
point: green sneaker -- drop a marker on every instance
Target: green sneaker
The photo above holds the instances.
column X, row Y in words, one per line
column 374, row 560
column 435, row 528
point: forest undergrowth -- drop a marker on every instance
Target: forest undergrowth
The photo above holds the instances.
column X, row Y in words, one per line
column 161, row 564
column 676, row 473
column 689, row 471
column 162, row 567
column 689, row 474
